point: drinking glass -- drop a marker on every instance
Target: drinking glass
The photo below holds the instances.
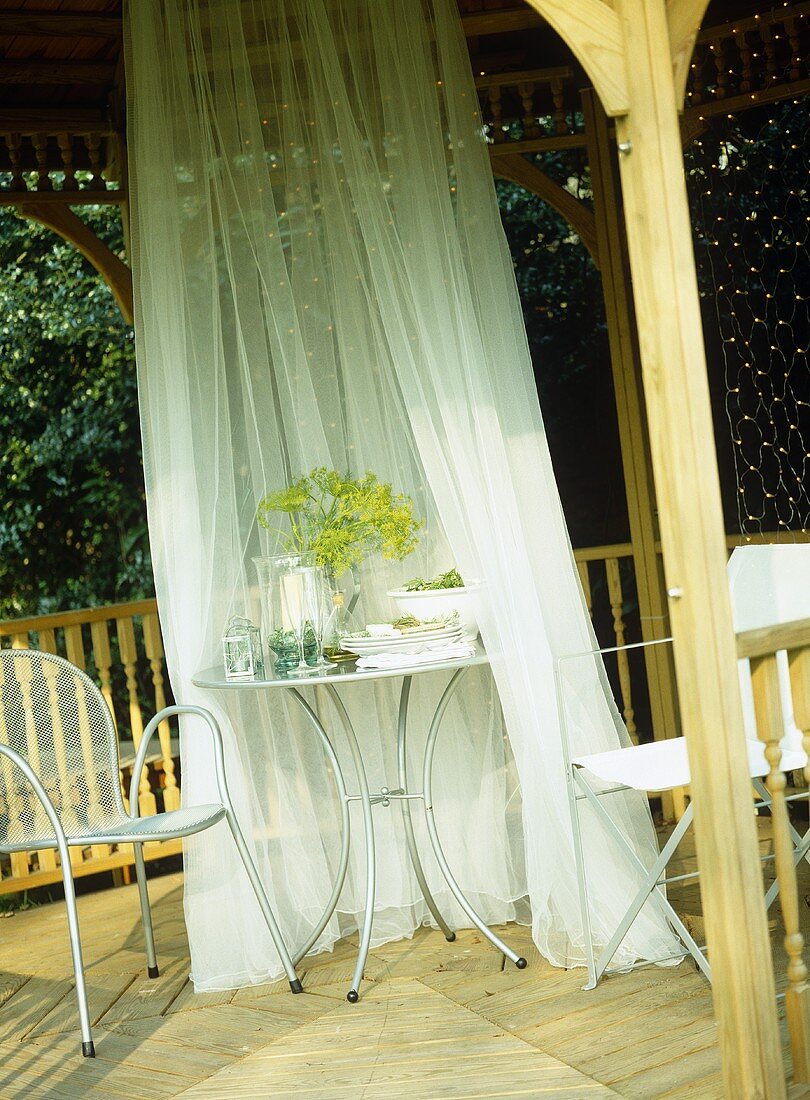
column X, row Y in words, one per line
column 319, row 607
column 296, row 588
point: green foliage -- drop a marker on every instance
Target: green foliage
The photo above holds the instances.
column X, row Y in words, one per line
column 72, row 512
column 451, row 579
column 342, row 519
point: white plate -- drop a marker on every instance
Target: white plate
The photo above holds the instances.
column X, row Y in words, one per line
column 374, row 648
column 403, row 639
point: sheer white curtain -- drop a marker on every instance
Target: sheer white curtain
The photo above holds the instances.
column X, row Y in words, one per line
column 321, row 278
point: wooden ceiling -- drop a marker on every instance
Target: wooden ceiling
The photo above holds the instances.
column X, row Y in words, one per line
column 61, row 63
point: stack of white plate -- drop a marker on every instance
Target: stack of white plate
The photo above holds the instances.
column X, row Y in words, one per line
column 416, row 641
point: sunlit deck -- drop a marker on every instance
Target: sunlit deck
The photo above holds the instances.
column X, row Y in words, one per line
column 435, row 1020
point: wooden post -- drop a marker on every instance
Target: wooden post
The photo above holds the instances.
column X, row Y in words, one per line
column 633, row 433
column 685, row 466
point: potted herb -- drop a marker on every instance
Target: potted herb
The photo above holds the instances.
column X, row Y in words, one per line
column 440, row 597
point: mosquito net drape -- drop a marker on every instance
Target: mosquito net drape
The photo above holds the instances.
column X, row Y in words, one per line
column 321, row 278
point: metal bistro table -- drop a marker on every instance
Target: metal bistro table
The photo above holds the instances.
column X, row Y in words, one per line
column 214, row 679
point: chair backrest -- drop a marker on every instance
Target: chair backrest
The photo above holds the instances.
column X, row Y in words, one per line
column 54, row 716
column 769, row 585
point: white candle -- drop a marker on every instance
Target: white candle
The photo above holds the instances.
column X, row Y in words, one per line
column 292, row 596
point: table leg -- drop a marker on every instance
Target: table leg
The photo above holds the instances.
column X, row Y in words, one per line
column 340, row 879
column 413, row 852
column 368, row 826
column 427, row 788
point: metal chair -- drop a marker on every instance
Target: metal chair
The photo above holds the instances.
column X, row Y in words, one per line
column 651, row 768
column 60, row 786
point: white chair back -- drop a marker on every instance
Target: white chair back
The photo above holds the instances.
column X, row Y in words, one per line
column 769, row 585
column 56, row 718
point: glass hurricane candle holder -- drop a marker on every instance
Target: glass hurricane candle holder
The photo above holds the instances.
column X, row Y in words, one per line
column 242, row 650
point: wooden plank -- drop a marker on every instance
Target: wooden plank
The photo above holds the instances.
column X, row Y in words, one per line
column 633, row 429
column 770, row 639
column 102, row 992
column 30, row 1004
column 11, row 627
column 188, row 1001
column 148, row 996
column 29, row 71
column 690, row 514
column 9, row 984
column 63, row 24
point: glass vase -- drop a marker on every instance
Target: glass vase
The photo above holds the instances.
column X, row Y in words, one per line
column 276, row 626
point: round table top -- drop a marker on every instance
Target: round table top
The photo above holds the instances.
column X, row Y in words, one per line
column 346, row 672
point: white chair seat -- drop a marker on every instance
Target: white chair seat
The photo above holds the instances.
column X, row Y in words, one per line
column 663, row 765
column 121, row 829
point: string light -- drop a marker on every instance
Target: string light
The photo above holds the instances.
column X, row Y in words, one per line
column 754, row 235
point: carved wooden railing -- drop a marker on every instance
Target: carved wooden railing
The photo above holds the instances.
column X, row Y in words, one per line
column 121, row 649
column 45, row 165
column 761, row 647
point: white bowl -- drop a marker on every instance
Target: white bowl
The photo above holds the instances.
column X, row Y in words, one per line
column 439, row 603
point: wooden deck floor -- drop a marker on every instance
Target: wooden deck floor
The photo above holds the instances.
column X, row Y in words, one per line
column 435, row 1020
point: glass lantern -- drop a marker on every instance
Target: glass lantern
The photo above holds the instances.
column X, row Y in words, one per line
column 242, row 650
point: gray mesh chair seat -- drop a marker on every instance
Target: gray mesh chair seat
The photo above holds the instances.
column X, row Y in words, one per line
column 123, row 829
column 60, row 786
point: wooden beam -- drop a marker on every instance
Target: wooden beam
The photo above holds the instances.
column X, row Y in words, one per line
column 83, row 197
column 53, row 120
column 683, row 19
column 633, row 430
column 56, row 72
column 525, row 76
column 500, row 22
column 60, row 24
column 590, row 29
column 537, row 145
column 522, row 172
column 63, row 221
column 690, row 514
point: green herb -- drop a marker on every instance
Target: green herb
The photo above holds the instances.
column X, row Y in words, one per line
column 451, row 579
column 342, row 519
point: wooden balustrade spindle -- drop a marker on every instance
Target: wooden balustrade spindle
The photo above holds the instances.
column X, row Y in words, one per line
column 24, row 672
column 40, row 143
column 154, row 653
column 496, row 109
column 93, row 145
column 698, row 82
column 47, row 640
column 718, row 50
column 744, row 49
column 792, row 31
column 558, row 98
column 13, row 142
column 769, row 45
column 614, row 583
column 65, row 143
column 129, row 658
column 74, row 646
column 530, row 127
column 68, row 781
column 799, row 665
column 100, row 637
column 770, row 727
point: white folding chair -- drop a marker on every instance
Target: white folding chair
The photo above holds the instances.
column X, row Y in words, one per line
column 770, row 585
column 655, row 767
column 60, row 787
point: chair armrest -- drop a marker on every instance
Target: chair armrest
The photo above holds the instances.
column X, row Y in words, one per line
column 22, row 765
column 151, row 729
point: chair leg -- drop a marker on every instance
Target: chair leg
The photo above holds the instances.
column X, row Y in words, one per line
column 88, row 1047
column 146, row 912
column 267, row 912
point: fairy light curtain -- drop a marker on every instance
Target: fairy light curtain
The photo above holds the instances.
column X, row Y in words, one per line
column 321, row 278
column 749, row 176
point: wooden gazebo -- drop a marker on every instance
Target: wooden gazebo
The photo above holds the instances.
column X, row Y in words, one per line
column 630, row 82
